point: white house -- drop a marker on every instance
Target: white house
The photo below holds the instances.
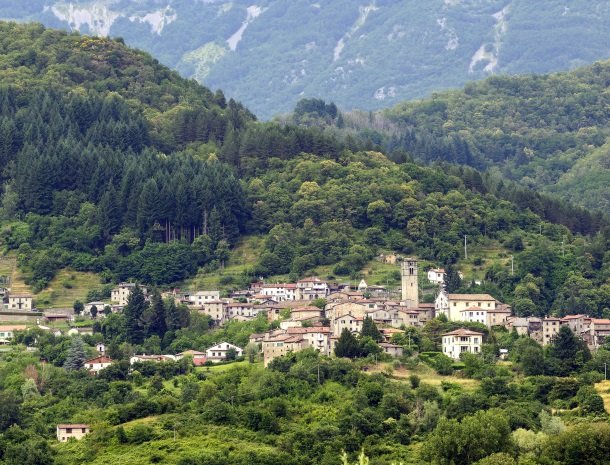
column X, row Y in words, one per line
column 8, row 332
column 437, row 275
column 199, row 298
column 452, row 305
column 65, row 432
column 219, row 351
column 279, row 292
column 97, row 364
column 20, row 302
column 461, row 341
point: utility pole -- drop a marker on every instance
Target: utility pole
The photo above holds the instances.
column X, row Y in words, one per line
column 605, row 372
column 512, row 265
column 319, row 372
column 562, row 250
column 465, row 248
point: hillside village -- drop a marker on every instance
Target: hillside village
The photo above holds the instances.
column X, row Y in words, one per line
column 313, row 313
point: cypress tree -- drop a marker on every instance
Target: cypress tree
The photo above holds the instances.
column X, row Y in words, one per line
column 369, row 328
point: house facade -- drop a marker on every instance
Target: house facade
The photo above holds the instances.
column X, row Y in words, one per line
column 452, row 304
column 218, row 352
column 7, row 333
column 67, row 431
column 437, row 275
column 351, row 322
column 275, row 346
column 97, row 364
column 462, row 341
column 312, row 289
column 20, row 302
column 120, row 294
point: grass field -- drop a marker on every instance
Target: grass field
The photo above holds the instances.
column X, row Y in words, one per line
column 227, row 367
column 490, row 254
column 426, row 375
column 603, row 389
column 65, row 288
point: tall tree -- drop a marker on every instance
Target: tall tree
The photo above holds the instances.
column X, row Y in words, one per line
column 134, row 316
column 369, row 329
column 347, row 345
column 76, row 355
column 157, row 316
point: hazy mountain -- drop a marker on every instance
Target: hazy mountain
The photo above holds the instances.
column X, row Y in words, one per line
column 361, row 54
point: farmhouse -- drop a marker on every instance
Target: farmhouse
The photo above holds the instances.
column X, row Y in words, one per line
column 218, row 352
column 97, row 364
column 65, row 432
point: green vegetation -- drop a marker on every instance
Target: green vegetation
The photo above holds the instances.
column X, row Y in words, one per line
column 547, row 132
column 305, row 408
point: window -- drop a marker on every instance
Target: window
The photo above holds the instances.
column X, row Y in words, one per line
column 476, row 340
column 68, row 430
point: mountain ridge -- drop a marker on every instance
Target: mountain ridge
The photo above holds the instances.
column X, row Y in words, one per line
column 365, row 55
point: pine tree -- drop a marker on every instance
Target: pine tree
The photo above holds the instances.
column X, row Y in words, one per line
column 76, row 355
column 347, row 345
column 134, row 316
column 157, row 316
column 369, row 328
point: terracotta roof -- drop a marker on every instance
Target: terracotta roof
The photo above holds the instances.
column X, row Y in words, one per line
column 13, row 328
column 573, row 317
column 470, row 297
column 387, row 345
column 26, row 296
column 306, row 309
column 463, row 332
column 191, row 352
column 600, row 321
column 438, row 270
column 75, row 425
column 101, row 359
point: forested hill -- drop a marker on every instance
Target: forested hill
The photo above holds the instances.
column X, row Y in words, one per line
column 548, row 132
column 113, row 164
column 362, row 54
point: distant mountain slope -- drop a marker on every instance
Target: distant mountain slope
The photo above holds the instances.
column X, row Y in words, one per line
column 548, row 132
column 361, row 54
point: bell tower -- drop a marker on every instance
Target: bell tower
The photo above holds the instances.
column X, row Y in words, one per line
column 410, row 285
